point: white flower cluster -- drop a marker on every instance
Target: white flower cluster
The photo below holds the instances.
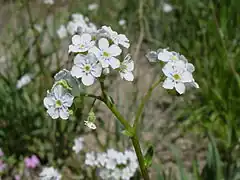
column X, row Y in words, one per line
column 177, row 69
column 78, row 24
column 113, row 165
column 96, row 52
column 49, row 173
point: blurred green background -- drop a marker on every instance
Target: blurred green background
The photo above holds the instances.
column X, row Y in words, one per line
column 207, row 32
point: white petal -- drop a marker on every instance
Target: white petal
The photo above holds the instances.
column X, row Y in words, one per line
column 67, row 100
column 79, row 59
column 97, row 70
column 167, row 69
column 168, row 84
column 114, row 50
column 58, row 91
column 103, row 44
column 152, row 56
column 64, row 114
column 86, row 38
column 186, row 77
column 180, row 88
column 128, row 76
column 104, row 63
column 195, row 84
column 164, row 56
column 95, row 51
column 53, row 113
column 91, row 58
column 77, row 71
column 76, row 39
column 130, row 66
column 73, row 48
column 48, row 101
column 87, row 80
column 190, row 67
column 115, row 63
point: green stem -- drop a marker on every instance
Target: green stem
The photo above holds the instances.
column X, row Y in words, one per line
column 143, row 102
column 143, row 168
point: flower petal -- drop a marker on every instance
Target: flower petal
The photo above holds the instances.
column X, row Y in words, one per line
column 103, row 44
column 58, row 91
column 187, row 77
column 128, row 76
column 180, row 88
column 64, row 114
column 76, row 40
column 97, row 70
column 48, row 101
column 114, row 50
column 168, row 84
column 86, row 38
column 87, row 79
column 77, row 71
column 114, row 62
column 190, row 67
column 95, row 51
column 53, row 113
column 79, row 59
column 168, row 69
column 67, row 100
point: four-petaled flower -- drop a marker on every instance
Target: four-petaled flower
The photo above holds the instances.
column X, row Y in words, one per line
column 57, row 102
column 31, row 162
column 87, row 68
column 126, row 68
column 81, row 43
column 106, row 54
column 177, row 76
column 78, row 144
column 115, row 37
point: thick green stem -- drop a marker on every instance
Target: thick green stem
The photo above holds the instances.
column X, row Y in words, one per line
column 143, row 102
column 143, row 168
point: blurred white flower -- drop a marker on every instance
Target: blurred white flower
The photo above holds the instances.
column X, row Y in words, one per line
column 105, row 174
column 24, row 80
column 122, row 22
column 38, row 27
column 93, row 6
column 106, row 54
column 177, row 75
column 152, row 56
column 101, row 159
column 126, row 68
column 87, row 68
column 81, row 43
column 48, row 1
column 62, row 32
column 78, row 145
column 90, row 124
column 57, row 102
column 118, row 39
column 90, row 159
column 167, row 8
column 3, row 59
column 49, row 173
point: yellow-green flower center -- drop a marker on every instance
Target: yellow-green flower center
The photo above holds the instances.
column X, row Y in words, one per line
column 87, row 68
column 58, row 103
column 105, row 54
column 81, row 46
column 174, row 58
column 176, row 77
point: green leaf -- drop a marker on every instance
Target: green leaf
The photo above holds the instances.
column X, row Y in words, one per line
column 148, row 156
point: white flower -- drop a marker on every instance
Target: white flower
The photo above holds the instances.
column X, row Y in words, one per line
column 48, row 1
column 62, row 32
column 105, row 174
column 111, row 164
column 49, row 173
column 122, row 22
column 166, row 56
column 177, row 75
column 90, row 124
column 102, row 158
column 81, row 43
column 115, row 37
column 57, row 102
column 152, row 56
column 106, row 54
column 121, row 158
column 87, row 68
column 167, row 8
column 92, row 6
column 38, row 27
column 116, row 174
column 24, row 80
column 90, row 159
column 78, row 144
column 126, row 173
column 126, row 68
